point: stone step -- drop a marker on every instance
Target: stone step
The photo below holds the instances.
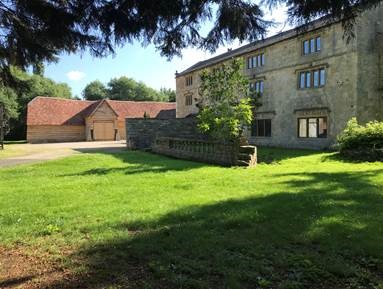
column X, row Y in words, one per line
column 245, row 157
column 243, row 163
column 247, row 149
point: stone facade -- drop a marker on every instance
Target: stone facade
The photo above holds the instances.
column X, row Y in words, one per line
column 353, row 83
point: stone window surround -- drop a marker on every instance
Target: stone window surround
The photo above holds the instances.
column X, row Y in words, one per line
column 314, row 112
column 189, row 80
column 307, row 128
column 308, row 38
column 256, row 54
column 188, row 99
column 311, row 69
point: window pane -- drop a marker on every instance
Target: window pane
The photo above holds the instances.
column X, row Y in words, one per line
column 257, row 86
column 302, row 80
column 261, row 87
column 268, row 127
column 316, row 78
column 259, row 60
column 254, row 128
column 261, row 127
column 308, row 79
column 306, row 49
column 263, row 59
column 254, row 61
column 319, row 44
column 249, row 63
column 313, row 127
column 322, row 77
column 312, row 45
column 302, row 128
column 322, row 128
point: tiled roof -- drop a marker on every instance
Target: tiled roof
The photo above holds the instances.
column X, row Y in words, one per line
column 248, row 48
column 59, row 111
column 137, row 109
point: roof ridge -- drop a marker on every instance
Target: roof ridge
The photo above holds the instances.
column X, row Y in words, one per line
column 62, row 98
column 237, row 52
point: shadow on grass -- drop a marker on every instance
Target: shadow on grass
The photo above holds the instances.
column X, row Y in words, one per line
column 275, row 155
column 137, row 162
column 328, row 234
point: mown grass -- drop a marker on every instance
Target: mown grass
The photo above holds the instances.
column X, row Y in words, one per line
column 300, row 219
column 12, row 149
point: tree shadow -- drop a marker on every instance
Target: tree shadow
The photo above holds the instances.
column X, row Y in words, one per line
column 346, row 159
column 275, row 155
column 137, row 162
column 327, row 234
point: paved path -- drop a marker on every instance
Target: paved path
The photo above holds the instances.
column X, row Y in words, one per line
column 34, row 153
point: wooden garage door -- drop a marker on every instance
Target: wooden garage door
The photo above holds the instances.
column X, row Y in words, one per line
column 103, row 130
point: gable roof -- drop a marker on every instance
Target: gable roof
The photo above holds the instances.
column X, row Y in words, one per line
column 259, row 44
column 59, row 111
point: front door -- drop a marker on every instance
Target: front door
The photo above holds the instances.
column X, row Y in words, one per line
column 103, row 130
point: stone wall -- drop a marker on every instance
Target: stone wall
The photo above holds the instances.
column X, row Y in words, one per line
column 141, row 132
column 197, row 150
column 180, row 138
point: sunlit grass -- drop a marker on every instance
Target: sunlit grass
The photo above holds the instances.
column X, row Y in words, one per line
column 298, row 219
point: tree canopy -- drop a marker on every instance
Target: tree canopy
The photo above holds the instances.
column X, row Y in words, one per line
column 226, row 104
column 125, row 88
column 28, row 87
column 37, row 31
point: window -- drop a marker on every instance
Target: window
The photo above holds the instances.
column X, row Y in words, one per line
column 261, row 128
column 312, row 78
column 312, row 45
column 315, row 127
column 258, row 86
column 189, row 80
column 256, row 61
column 188, row 99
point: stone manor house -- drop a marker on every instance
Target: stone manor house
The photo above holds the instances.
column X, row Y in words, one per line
column 312, row 81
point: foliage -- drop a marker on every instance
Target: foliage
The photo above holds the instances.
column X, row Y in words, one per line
column 94, row 91
column 8, row 98
column 170, row 93
column 38, row 31
column 138, row 220
column 355, row 136
column 28, row 87
column 225, row 105
column 362, row 138
column 125, row 88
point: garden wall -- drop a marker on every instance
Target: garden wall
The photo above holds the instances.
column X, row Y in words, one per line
column 197, row 150
column 180, row 138
column 142, row 132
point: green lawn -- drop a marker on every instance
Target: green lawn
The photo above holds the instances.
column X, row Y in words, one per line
column 300, row 219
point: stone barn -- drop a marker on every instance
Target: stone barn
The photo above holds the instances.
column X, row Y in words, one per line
column 65, row 120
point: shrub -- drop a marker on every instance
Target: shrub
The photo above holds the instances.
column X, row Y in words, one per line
column 362, row 141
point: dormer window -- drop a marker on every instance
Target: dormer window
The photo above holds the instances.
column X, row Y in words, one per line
column 256, row 61
column 189, row 80
column 312, row 45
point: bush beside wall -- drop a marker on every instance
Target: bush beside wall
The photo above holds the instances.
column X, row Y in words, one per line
column 363, row 142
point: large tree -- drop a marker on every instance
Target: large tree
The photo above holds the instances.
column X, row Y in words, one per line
column 95, row 90
column 36, row 31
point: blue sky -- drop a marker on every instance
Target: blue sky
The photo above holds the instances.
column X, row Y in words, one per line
column 141, row 63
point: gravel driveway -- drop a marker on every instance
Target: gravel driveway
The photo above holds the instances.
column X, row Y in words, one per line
column 34, row 153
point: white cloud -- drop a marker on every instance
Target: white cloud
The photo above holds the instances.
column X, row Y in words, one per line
column 75, row 75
